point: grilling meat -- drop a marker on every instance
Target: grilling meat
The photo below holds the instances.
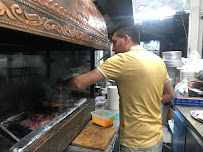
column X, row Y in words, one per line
column 55, row 104
column 50, row 104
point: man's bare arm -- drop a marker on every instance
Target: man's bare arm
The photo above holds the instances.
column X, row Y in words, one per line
column 82, row 81
column 168, row 93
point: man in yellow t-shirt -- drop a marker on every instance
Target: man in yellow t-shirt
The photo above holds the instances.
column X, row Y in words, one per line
column 143, row 84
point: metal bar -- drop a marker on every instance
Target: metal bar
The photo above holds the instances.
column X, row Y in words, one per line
column 9, row 135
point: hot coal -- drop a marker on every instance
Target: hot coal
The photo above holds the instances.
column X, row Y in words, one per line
column 33, row 120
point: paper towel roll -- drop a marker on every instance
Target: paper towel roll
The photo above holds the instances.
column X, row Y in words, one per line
column 113, row 97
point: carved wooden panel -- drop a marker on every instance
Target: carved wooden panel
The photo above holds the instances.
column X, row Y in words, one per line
column 75, row 21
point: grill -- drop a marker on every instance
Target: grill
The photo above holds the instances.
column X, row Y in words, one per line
column 62, row 129
column 40, row 42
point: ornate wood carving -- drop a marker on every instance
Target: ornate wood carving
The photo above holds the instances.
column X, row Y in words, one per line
column 76, row 21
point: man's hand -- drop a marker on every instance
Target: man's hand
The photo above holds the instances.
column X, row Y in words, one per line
column 59, row 84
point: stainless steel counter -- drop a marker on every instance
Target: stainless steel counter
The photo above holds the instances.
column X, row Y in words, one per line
column 185, row 111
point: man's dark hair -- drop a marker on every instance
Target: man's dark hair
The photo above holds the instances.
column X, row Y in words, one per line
column 130, row 30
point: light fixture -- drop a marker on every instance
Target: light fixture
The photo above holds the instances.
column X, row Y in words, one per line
column 159, row 13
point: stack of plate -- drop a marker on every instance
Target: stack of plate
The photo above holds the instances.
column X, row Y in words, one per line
column 172, row 58
column 187, row 74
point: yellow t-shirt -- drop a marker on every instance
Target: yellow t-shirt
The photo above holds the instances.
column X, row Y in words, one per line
column 140, row 76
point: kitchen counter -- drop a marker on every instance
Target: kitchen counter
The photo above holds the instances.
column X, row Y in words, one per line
column 185, row 111
column 112, row 146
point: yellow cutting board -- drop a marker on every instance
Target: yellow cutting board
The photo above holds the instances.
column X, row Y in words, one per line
column 94, row 137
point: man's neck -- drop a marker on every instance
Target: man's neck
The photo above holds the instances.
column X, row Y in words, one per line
column 133, row 44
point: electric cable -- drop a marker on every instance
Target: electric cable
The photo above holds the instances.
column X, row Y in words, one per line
column 183, row 24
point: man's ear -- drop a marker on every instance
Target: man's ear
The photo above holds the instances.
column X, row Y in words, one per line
column 126, row 37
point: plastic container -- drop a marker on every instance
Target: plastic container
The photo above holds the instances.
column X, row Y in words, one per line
column 103, row 118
